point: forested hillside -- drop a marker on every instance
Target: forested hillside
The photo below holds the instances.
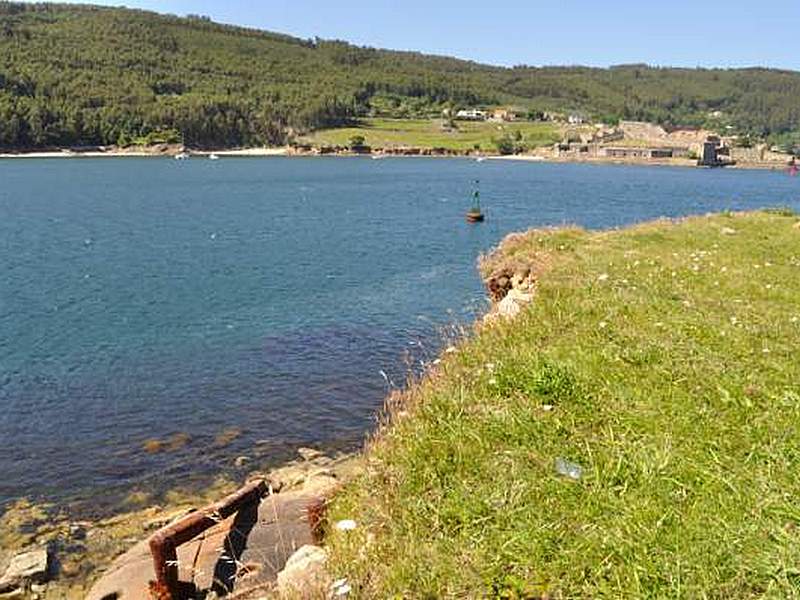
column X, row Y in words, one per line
column 78, row 75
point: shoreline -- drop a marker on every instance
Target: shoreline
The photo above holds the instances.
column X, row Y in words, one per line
column 289, row 152
column 509, row 290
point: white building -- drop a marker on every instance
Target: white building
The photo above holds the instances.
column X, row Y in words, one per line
column 472, row 114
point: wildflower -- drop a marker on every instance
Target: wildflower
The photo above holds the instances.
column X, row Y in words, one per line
column 603, row 277
column 603, row 325
column 346, row 525
column 340, row 587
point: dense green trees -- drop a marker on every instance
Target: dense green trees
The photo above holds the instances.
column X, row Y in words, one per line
column 74, row 75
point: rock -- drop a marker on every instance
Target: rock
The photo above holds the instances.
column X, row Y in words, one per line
column 241, row 461
column 30, row 566
column 309, row 453
column 288, row 476
column 508, row 307
column 305, row 575
column 77, row 531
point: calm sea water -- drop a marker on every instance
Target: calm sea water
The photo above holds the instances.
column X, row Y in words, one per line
column 143, row 299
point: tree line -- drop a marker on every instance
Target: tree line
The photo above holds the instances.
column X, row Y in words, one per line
column 81, row 75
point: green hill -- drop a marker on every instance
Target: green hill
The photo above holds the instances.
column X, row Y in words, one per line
column 79, row 75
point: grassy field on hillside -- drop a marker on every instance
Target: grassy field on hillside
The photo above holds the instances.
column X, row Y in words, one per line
column 657, row 365
column 393, row 133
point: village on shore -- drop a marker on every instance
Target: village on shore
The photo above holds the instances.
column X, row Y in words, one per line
column 578, row 139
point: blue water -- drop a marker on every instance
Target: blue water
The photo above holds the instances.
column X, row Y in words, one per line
column 142, row 298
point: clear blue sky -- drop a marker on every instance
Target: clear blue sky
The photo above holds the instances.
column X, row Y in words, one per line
column 589, row 32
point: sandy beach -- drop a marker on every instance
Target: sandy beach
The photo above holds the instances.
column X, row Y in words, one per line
column 154, row 153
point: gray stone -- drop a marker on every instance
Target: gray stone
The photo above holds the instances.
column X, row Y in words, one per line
column 309, row 453
column 304, row 575
column 30, row 566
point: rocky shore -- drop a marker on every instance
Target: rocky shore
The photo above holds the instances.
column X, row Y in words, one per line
column 45, row 555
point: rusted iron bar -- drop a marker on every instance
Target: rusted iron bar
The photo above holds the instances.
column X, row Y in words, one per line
column 164, row 543
column 316, row 515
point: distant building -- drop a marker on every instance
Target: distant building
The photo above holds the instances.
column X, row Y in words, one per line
column 714, row 153
column 472, row 114
column 576, row 119
column 640, row 130
column 502, row 114
column 625, row 152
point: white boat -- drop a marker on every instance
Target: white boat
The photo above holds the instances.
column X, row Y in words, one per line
column 182, row 156
column 480, row 159
column 213, row 157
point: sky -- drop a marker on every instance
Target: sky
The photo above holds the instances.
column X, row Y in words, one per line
column 690, row 33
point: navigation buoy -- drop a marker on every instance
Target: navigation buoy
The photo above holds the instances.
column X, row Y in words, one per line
column 474, row 214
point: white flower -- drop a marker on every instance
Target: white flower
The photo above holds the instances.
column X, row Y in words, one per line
column 340, row 587
column 346, row 525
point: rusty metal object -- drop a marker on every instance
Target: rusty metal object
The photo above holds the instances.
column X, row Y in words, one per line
column 164, row 543
column 317, row 518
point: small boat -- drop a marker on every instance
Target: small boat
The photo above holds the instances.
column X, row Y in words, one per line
column 474, row 214
column 480, row 159
column 213, row 157
column 182, row 156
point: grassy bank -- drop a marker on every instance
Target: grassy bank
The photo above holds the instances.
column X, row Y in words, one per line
column 396, row 133
column 657, row 367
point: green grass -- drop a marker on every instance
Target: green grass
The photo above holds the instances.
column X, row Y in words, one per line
column 393, row 133
column 662, row 359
